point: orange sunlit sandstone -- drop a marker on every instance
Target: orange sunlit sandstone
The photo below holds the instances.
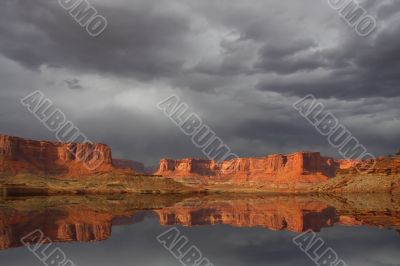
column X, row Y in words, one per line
column 296, row 168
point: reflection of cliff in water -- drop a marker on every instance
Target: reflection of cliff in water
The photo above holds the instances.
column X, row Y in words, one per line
column 70, row 219
column 272, row 213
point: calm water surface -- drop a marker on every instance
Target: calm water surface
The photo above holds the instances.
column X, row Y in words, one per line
column 228, row 230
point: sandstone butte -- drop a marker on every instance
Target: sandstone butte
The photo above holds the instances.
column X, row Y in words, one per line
column 18, row 155
column 297, row 172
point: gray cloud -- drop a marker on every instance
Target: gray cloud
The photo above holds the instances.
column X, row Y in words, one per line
column 73, row 84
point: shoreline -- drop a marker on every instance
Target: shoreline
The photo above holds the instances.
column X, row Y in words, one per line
column 30, row 191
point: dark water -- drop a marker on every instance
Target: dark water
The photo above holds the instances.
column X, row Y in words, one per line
column 228, row 230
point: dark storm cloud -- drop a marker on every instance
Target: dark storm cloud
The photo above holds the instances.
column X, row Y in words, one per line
column 360, row 70
column 358, row 67
column 282, row 59
column 282, row 132
column 144, row 41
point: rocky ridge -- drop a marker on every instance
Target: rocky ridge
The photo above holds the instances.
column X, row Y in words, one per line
column 303, row 172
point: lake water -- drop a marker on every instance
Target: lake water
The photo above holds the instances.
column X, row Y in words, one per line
column 228, row 230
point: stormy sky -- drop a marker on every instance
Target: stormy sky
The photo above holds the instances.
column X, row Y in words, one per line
column 239, row 65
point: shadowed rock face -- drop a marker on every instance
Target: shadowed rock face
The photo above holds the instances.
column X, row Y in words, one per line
column 128, row 164
column 20, row 155
column 300, row 167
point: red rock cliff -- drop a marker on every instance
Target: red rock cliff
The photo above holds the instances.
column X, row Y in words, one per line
column 299, row 167
column 21, row 155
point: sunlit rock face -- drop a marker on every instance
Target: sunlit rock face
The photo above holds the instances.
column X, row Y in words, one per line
column 280, row 170
column 380, row 175
column 347, row 164
column 188, row 166
column 389, row 165
column 20, row 155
